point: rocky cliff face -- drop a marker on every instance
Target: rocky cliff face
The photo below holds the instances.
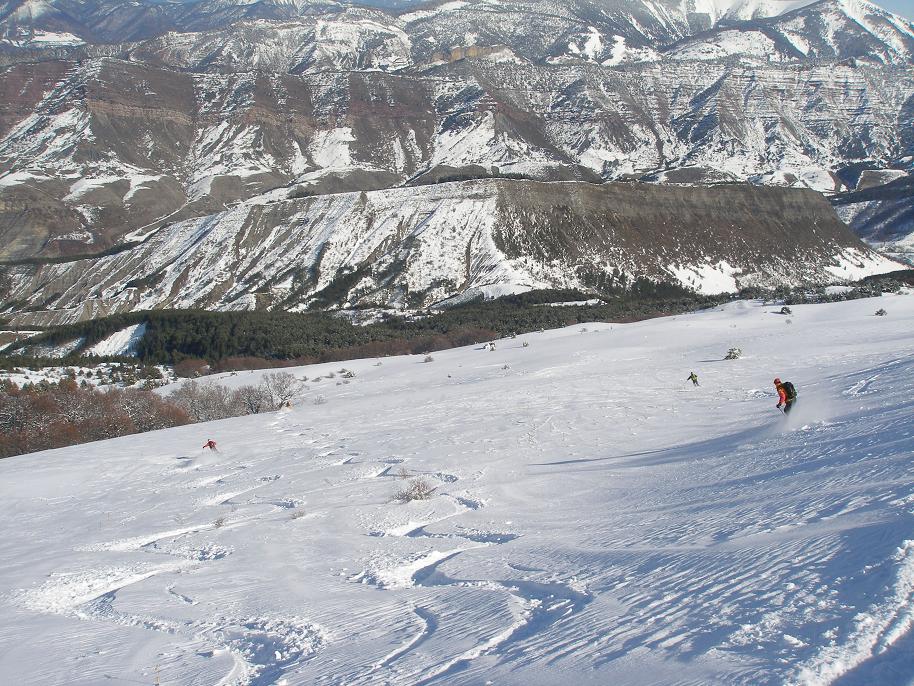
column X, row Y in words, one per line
column 120, row 122
column 882, row 212
column 413, row 247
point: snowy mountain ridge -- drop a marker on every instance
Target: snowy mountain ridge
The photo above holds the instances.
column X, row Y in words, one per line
column 415, row 247
column 102, row 145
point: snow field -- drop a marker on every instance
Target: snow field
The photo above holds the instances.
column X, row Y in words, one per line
column 596, row 519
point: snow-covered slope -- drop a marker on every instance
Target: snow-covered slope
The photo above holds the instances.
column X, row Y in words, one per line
column 596, row 519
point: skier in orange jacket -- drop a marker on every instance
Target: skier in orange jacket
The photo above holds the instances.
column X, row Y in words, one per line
column 787, row 394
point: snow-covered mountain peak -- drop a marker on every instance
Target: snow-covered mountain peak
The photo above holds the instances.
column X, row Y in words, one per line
column 741, row 9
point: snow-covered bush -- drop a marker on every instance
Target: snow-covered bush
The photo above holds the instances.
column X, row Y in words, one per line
column 881, row 312
column 429, row 358
column 733, row 354
column 253, row 399
column 280, row 388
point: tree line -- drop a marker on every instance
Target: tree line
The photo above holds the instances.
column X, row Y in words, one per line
column 245, row 340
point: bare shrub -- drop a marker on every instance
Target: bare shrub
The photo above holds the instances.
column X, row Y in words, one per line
column 191, row 367
column 319, row 400
column 206, row 402
column 252, row 399
column 417, row 488
column 148, row 411
column 56, row 415
column 429, row 358
column 280, row 388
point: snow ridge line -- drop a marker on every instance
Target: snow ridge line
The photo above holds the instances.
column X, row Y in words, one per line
column 876, row 629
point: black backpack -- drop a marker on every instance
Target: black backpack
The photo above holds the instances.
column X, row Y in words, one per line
column 790, row 390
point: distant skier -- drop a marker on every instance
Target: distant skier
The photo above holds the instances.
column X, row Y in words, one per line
column 787, row 395
column 211, row 444
column 693, row 377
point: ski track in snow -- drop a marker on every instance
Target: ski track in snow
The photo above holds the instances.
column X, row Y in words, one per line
column 580, row 528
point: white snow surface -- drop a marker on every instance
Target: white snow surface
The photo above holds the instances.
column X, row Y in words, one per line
column 123, row 342
column 853, row 265
column 707, row 278
column 596, row 519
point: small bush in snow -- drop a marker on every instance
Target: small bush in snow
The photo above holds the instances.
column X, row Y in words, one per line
column 734, row 354
column 526, row 345
column 219, row 523
column 417, row 488
column 429, row 358
column 881, row 313
column 319, row 400
column 786, row 310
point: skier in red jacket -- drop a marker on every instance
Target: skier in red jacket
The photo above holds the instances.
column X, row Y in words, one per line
column 787, row 394
column 211, row 444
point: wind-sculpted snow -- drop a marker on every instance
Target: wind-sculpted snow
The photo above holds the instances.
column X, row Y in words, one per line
column 595, row 518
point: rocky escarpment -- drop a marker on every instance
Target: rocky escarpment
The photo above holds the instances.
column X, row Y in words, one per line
column 189, row 108
column 286, row 154
column 413, row 247
column 117, row 149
